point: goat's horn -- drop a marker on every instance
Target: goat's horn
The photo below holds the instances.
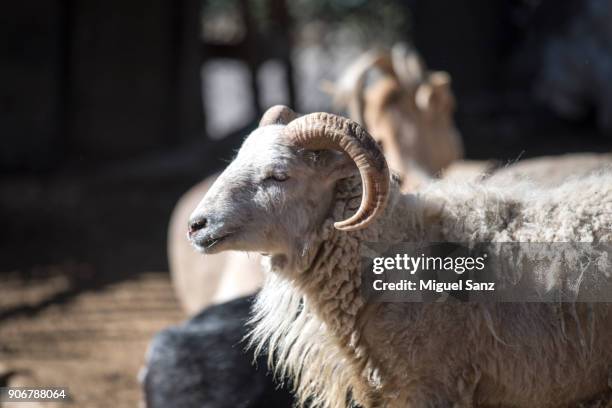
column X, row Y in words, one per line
column 277, row 115
column 407, row 64
column 318, row 131
column 372, row 59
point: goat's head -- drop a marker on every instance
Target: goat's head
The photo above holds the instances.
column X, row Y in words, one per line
column 407, row 108
column 281, row 184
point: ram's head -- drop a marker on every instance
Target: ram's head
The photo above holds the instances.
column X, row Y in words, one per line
column 281, row 184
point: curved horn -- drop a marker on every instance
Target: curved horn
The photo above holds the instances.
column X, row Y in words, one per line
column 277, row 115
column 356, row 105
column 318, row 131
column 408, row 65
column 348, row 90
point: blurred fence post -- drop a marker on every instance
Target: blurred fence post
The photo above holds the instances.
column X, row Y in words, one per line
column 189, row 121
column 30, row 84
column 136, row 75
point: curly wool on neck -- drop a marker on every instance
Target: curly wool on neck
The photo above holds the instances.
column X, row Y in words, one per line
column 307, row 323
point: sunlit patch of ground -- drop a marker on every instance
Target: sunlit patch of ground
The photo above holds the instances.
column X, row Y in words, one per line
column 94, row 344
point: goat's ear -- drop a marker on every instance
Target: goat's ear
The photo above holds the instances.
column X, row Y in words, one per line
column 436, row 93
column 424, row 97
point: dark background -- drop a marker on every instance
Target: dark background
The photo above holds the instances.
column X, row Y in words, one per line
column 105, row 118
column 103, row 123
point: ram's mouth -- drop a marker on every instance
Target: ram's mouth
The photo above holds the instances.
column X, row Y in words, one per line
column 210, row 244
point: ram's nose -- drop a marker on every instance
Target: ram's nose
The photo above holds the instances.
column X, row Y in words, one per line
column 197, row 224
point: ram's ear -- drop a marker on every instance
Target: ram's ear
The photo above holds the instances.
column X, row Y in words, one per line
column 333, row 165
column 277, row 115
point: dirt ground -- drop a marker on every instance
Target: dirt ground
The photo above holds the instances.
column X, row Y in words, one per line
column 94, row 344
column 83, row 278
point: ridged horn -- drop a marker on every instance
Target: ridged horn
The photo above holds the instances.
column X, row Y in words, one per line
column 277, row 115
column 320, row 131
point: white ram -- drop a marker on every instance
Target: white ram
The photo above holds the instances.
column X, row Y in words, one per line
column 282, row 196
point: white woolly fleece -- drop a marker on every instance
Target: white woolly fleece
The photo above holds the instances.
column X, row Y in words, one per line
column 332, row 345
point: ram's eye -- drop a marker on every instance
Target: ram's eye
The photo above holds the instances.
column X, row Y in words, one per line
column 277, row 177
